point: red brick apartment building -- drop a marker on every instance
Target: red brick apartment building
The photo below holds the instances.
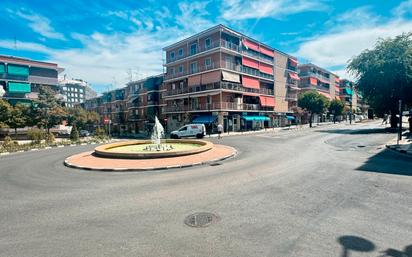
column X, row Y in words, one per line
column 222, row 76
column 318, row 79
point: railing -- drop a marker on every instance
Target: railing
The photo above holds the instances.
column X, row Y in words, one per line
column 258, row 56
column 204, row 48
column 216, row 106
column 223, row 64
column 315, row 75
column 217, row 86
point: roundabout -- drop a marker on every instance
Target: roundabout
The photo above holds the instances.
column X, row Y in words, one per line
column 139, row 155
column 91, row 161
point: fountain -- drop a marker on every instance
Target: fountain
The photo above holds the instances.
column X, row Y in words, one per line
column 157, row 134
column 156, row 153
column 153, row 148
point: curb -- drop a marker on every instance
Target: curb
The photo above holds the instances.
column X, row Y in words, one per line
column 49, row 147
column 70, row 165
column 403, row 152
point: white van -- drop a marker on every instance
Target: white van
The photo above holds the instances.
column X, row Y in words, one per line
column 190, row 130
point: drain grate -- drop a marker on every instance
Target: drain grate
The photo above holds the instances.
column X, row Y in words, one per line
column 201, row 219
column 215, row 164
column 361, row 146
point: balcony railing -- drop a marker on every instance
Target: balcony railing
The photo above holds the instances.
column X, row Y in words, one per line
column 204, row 48
column 225, row 65
column 218, row 86
column 231, row 106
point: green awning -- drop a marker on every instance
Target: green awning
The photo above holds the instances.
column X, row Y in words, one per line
column 2, row 68
column 25, row 102
column 348, row 91
column 255, row 118
column 18, row 70
column 15, row 87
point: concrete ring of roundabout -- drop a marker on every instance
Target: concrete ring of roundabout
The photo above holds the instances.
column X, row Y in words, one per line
column 133, row 156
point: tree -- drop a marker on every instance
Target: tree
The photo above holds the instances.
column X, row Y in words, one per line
column 74, row 134
column 17, row 119
column 5, row 113
column 81, row 117
column 384, row 74
column 314, row 103
column 49, row 110
column 336, row 107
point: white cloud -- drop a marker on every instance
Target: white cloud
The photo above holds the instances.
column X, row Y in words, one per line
column 240, row 10
column 105, row 58
column 41, row 25
column 27, row 46
column 349, row 37
column 403, row 8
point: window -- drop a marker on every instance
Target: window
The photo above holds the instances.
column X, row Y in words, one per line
column 193, row 49
column 208, row 62
column 180, row 52
column 172, row 56
column 193, row 67
column 208, row 43
column 183, row 129
column 173, row 86
column 172, row 70
column 181, row 69
column 181, row 85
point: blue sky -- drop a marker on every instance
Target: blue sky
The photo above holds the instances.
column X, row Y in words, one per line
column 107, row 42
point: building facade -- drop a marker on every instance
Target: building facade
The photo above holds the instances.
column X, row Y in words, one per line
column 220, row 76
column 21, row 78
column 315, row 78
column 76, row 91
column 130, row 109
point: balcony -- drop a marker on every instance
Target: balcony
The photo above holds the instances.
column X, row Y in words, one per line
column 226, row 106
column 219, row 86
column 204, row 48
column 292, row 97
column 224, row 65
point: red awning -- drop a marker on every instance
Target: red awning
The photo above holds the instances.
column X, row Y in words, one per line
column 250, row 82
column 266, row 51
column 250, row 45
column 267, row 101
column 265, row 68
column 294, row 76
column 250, row 62
column 313, row 81
column 325, row 94
column 293, row 62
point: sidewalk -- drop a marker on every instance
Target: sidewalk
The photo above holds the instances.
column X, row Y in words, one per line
column 294, row 127
column 405, row 145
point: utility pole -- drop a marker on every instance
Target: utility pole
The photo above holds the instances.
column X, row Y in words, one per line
column 400, row 122
column 351, row 100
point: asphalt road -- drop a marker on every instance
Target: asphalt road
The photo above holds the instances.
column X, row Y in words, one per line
column 329, row 191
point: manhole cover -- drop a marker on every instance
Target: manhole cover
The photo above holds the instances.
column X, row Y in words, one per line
column 360, row 146
column 215, row 164
column 201, row 219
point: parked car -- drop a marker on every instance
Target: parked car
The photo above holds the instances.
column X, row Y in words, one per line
column 190, row 130
column 84, row 133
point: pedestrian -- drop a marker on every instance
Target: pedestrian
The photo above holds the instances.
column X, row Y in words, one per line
column 219, row 131
column 410, row 124
column 385, row 119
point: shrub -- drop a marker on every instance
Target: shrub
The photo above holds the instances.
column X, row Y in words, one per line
column 8, row 142
column 50, row 138
column 74, row 134
column 35, row 135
